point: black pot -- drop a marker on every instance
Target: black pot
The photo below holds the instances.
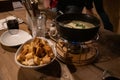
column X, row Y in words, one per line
column 77, row 35
column 111, row 78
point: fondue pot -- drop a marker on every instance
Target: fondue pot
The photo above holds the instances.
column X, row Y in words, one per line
column 73, row 34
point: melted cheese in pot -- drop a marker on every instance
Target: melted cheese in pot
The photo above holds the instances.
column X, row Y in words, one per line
column 79, row 24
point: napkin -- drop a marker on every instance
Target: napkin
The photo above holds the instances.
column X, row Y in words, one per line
column 3, row 24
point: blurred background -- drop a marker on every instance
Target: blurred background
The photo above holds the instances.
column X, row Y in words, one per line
column 112, row 8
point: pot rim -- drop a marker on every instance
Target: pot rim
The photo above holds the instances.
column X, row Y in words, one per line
column 57, row 20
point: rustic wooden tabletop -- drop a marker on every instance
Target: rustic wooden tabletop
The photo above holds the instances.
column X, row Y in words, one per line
column 109, row 59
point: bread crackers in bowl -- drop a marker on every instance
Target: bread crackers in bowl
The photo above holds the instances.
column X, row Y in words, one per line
column 35, row 53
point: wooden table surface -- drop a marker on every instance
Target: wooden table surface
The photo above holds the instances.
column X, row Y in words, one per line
column 109, row 59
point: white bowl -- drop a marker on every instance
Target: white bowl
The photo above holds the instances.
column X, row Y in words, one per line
column 52, row 45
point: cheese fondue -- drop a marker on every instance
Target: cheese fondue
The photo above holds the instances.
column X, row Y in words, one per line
column 78, row 24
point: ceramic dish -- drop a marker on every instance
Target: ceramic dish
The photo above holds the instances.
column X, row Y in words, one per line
column 17, row 39
column 28, row 60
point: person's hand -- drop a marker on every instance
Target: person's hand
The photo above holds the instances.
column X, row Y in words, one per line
column 89, row 11
column 46, row 4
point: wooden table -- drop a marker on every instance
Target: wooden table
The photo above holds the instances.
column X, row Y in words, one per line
column 109, row 59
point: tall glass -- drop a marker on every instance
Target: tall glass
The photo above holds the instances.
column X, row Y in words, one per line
column 38, row 18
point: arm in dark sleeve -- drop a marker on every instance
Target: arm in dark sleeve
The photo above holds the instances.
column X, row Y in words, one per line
column 88, row 4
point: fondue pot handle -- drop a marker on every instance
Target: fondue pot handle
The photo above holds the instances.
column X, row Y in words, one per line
column 93, row 40
column 96, row 37
column 60, row 12
column 52, row 31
